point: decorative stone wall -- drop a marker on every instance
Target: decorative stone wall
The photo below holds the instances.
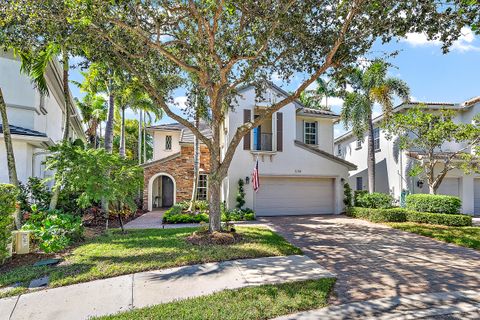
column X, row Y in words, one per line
column 180, row 167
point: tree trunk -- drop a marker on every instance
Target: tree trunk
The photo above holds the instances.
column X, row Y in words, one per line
column 122, row 135
column 66, row 129
column 109, row 124
column 140, row 137
column 196, row 164
column 66, row 96
column 371, row 156
column 432, row 189
column 214, row 187
column 12, row 169
column 144, row 138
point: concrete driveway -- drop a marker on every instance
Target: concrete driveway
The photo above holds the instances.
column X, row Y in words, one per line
column 374, row 261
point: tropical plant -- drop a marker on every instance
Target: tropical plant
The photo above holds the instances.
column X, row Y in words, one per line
column 222, row 46
column 370, row 86
column 428, row 133
column 96, row 175
column 53, row 229
column 240, row 195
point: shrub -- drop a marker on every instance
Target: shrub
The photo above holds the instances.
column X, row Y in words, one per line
column 347, row 192
column 8, row 198
column 375, row 200
column 176, row 214
column 357, row 194
column 240, row 195
column 378, row 215
column 403, row 215
column 454, row 220
column 433, row 203
column 53, row 229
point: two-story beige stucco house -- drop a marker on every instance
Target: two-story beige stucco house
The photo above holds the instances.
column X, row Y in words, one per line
column 298, row 172
column 392, row 165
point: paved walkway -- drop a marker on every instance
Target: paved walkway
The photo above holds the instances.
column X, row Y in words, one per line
column 374, row 261
column 108, row 296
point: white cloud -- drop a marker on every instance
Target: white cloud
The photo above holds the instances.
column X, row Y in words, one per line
column 181, row 102
column 463, row 44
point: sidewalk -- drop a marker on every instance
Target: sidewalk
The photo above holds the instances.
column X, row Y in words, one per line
column 109, row 296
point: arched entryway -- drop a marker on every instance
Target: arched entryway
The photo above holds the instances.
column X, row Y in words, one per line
column 161, row 191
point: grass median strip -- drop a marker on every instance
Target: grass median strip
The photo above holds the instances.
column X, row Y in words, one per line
column 252, row 303
column 115, row 254
column 463, row 236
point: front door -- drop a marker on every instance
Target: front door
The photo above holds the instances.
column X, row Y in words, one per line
column 167, row 192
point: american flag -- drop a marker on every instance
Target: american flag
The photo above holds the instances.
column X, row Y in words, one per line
column 255, row 178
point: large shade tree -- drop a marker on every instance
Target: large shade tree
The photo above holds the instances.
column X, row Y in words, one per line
column 223, row 45
column 369, row 87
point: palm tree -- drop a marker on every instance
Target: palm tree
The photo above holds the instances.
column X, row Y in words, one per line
column 93, row 109
column 370, row 86
column 313, row 98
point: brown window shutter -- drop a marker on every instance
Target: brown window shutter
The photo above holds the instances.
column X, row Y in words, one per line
column 247, row 116
column 279, row 131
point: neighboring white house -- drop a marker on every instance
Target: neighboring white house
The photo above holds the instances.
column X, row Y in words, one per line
column 298, row 172
column 393, row 165
column 36, row 122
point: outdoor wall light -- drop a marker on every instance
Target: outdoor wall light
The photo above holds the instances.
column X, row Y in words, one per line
column 420, row 184
column 247, row 180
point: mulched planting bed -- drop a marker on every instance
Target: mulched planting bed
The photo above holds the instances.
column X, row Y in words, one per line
column 216, row 238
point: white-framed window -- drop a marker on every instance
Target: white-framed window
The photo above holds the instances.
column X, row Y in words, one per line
column 376, row 138
column 202, row 187
column 339, row 150
column 168, row 142
column 359, row 143
column 310, row 132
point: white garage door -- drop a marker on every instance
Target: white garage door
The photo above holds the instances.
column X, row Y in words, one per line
column 450, row 186
column 477, row 196
column 294, row 196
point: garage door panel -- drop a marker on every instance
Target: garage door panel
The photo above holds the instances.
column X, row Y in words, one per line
column 294, row 196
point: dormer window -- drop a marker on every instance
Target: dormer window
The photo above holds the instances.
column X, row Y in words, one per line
column 168, row 142
column 359, row 144
column 376, row 139
column 339, row 150
column 310, row 132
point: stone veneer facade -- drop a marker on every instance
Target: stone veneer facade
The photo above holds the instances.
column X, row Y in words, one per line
column 180, row 167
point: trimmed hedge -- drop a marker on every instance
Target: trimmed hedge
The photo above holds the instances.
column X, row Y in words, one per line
column 378, row 215
column 453, row 220
column 176, row 215
column 403, row 215
column 374, row 200
column 8, row 199
column 433, row 203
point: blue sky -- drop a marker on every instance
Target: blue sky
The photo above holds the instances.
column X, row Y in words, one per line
column 430, row 74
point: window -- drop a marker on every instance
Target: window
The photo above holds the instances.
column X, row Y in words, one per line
column 339, row 150
column 168, row 142
column 310, row 131
column 202, row 187
column 359, row 143
column 376, row 139
column 359, row 183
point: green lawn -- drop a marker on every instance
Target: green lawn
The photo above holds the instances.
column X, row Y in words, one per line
column 262, row 302
column 463, row 236
column 115, row 254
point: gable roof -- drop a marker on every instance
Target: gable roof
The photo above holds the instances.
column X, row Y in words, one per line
column 23, row 131
column 429, row 105
column 326, row 155
column 186, row 135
